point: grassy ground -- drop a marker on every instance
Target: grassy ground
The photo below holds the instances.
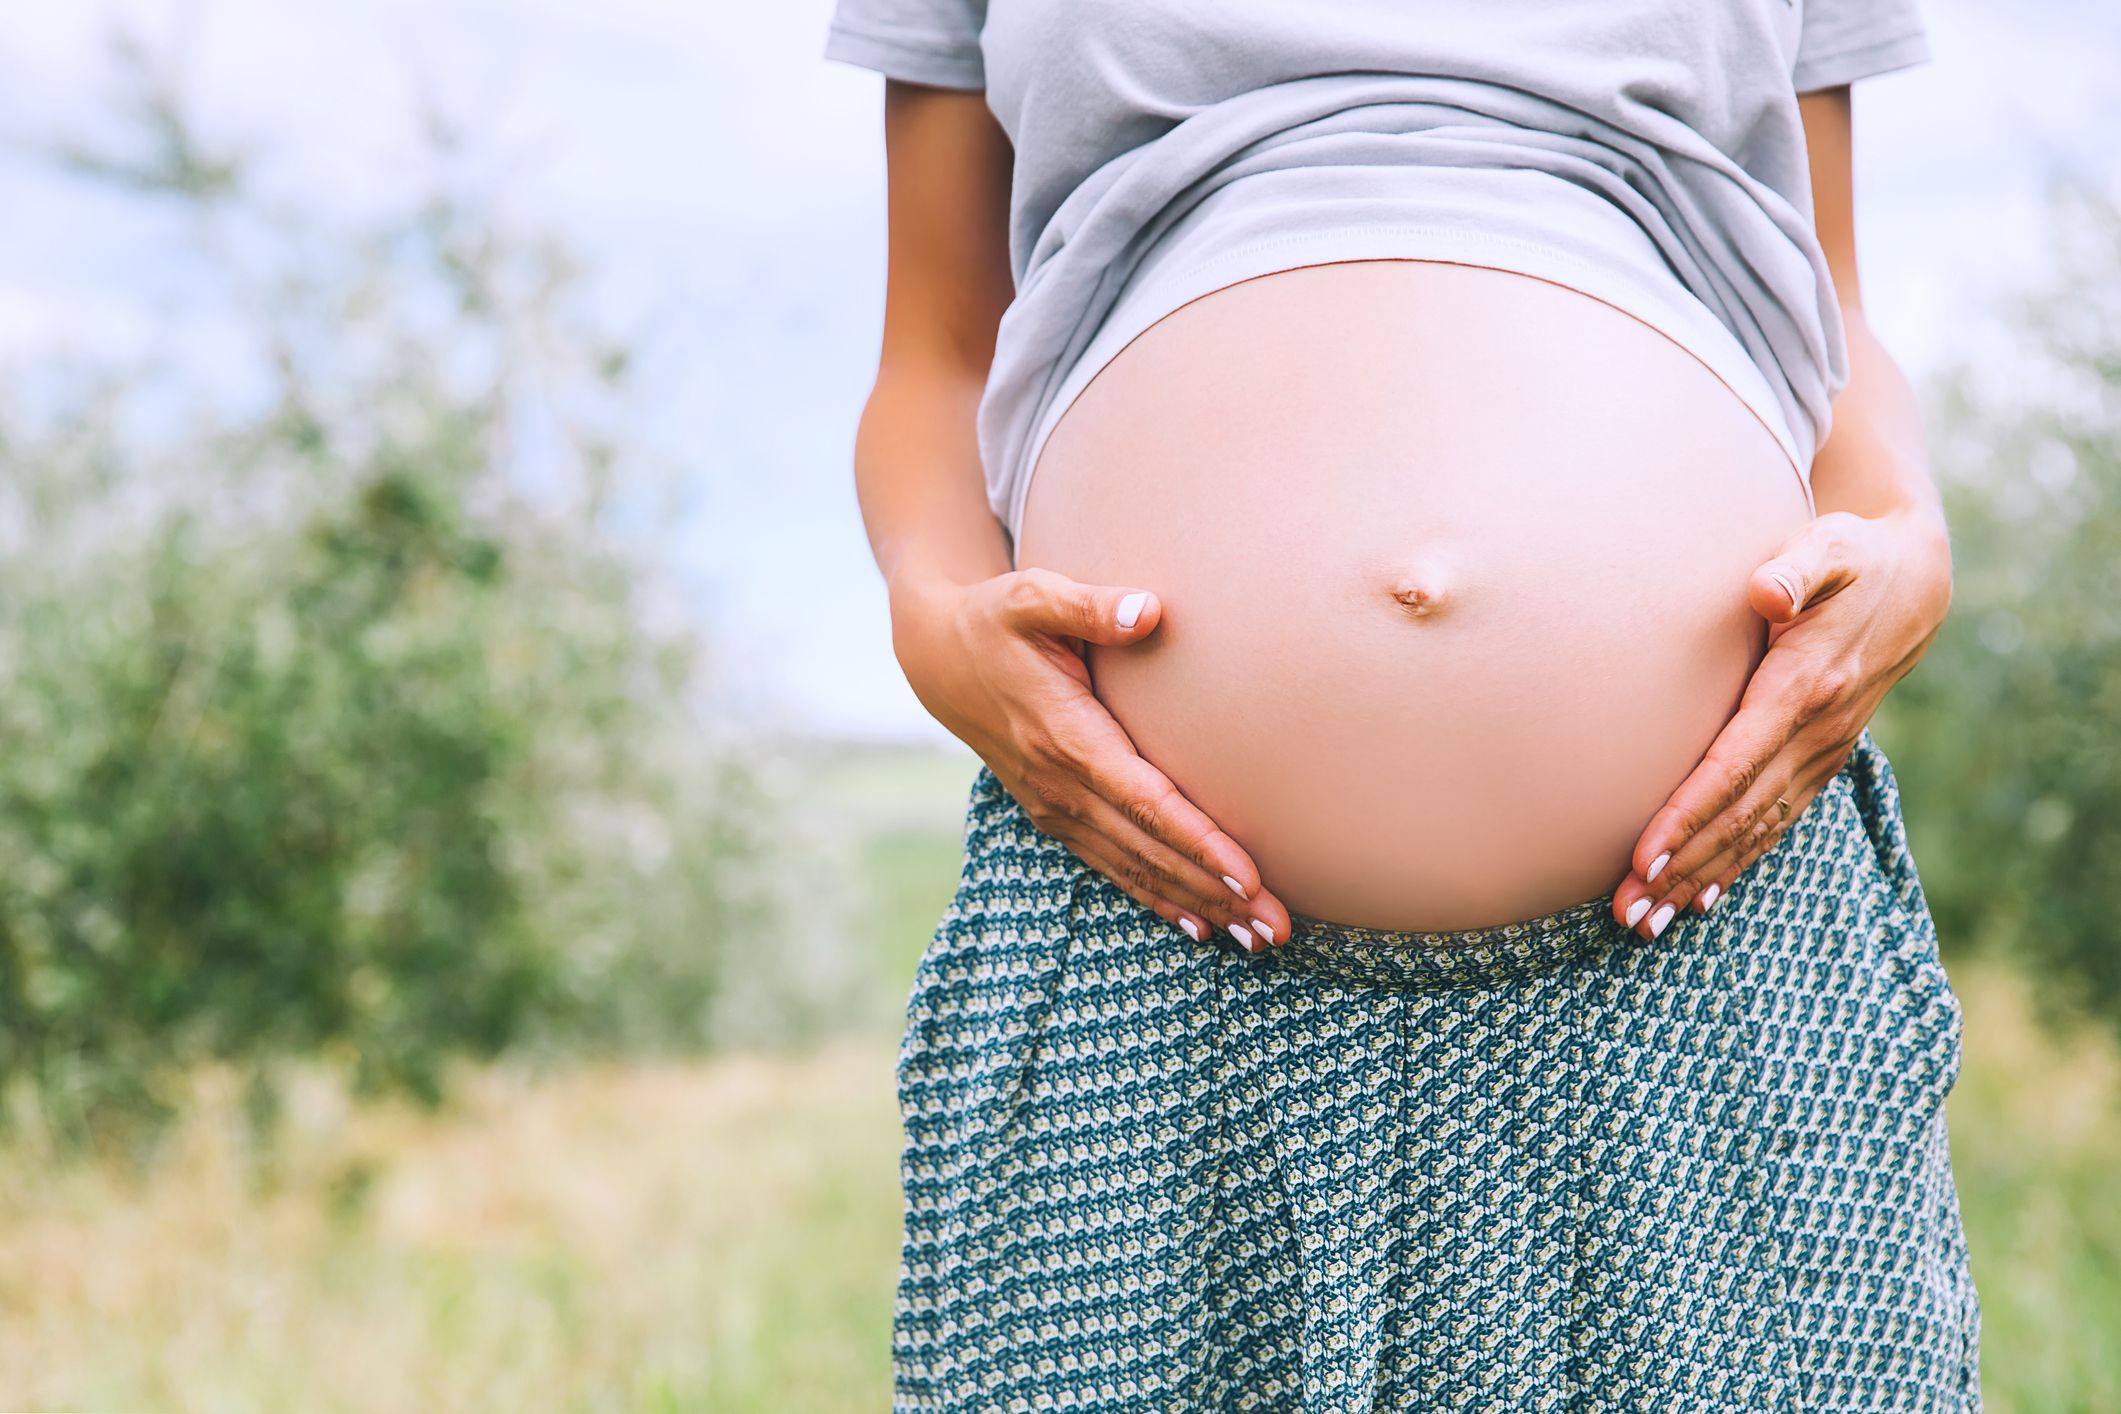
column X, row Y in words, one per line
column 721, row 1235
column 714, row 1236
column 2036, row 1151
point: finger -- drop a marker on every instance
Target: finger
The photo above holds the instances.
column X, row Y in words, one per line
column 1184, row 880
column 1712, row 893
column 1729, row 844
column 1792, row 690
column 1090, row 743
column 1793, row 716
column 1812, row 566
column 1160, row 815
column 1742, row 753
column 1042, row 601
column 1152, row 865
column 1734, row 762
column 1061, row 806
column 1722, row 869
column 1752, row 827
column 1128, row 873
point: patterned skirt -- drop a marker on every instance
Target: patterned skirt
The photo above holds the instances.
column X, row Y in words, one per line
column 1542, row 1166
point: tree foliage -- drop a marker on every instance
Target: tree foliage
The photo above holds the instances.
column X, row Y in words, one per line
column 2008, row 734
column 332, row 719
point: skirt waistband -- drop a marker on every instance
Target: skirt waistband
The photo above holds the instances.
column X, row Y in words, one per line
column 1452, row 958
column 1019, row 869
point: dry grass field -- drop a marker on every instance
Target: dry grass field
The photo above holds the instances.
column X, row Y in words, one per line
column 721, row 1235
column 689, row 1236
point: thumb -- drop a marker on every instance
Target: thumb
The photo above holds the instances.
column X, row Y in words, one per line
column 1807, row 569
column 1048, row 602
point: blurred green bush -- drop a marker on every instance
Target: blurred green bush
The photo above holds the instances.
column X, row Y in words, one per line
column 337, row 724
column 340, row 724
column 2007, row 736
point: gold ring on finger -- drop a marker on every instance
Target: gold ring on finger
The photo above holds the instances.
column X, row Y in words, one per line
column 1785, row 806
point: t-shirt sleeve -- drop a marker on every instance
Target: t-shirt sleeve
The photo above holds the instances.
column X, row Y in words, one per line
column 921, row 41
column 1845, row 40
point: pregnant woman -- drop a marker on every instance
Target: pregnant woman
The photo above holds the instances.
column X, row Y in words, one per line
column 1435, row 930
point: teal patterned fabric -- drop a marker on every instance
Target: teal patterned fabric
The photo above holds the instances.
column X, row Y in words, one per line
column 1543, row 1166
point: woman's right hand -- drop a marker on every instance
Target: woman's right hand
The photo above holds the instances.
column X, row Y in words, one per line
column 1000, row 663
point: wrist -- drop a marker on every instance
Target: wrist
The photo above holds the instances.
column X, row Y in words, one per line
column 919, row 590
column 1921, row 530
column 923, row 604
column 1923, row 527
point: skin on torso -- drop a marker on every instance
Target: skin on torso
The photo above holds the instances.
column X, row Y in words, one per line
column 1453, row 566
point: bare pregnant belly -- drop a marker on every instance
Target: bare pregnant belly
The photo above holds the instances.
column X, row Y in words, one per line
column 1453, row 565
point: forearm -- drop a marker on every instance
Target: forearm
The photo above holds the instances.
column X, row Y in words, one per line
column 1876, row 459
column 917, row 477
column 1875, row 464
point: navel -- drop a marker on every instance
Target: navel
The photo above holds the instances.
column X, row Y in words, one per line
column 1422, row 593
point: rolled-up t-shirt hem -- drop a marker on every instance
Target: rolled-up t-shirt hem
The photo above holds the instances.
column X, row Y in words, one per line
column 1664, row 304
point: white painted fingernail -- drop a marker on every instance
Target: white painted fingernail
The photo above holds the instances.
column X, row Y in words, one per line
column 1657, row 866
column 1235, row 887
column 1661, row 917
column 1709, row 896
column 1266, row 933
column 1636, row 910
column 1796, row 600
column 1191, row 931
column 1130, row 609
column 1245, row 939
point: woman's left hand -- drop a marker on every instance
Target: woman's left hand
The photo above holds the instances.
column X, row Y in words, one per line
column 1852, row 603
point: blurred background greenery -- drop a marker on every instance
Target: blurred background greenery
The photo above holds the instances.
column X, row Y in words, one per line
column 420, row 987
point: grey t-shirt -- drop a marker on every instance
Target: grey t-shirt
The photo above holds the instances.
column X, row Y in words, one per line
column 1648, row 152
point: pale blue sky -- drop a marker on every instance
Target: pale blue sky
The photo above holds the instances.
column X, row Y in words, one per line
column 728, row 184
